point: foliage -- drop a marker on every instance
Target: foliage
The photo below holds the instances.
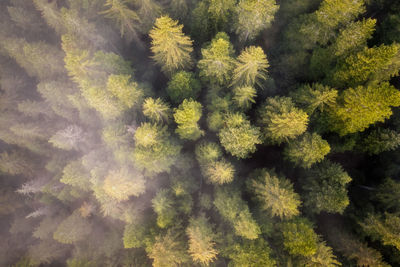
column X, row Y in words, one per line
column 380, row 140
column 244, row 96
column 123, row 183
column 385, row 229
column 252, row 253
column 73, row 229
column 156, row 110
column 299, row 238
column 183, row 85
column 187, row 116
column 315, row 97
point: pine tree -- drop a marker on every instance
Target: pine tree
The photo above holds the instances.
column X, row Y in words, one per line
column 201, row 240
column 15, row 163
column 171, row 48
column 254, row 17
column 126, row 91
column 252, row 253
column 325, row 188
column 187, row 116
column 299, row 238
column 156, row 110
column 134, row 235
column 183, row 85
column 163, row 205
column 275, row 193
column 244, row 96
column 75, row 174
column 380, row 140
column 217, row 62
column 306, row 150
column 387, row 194
column 280, row 120
column 220, row 172
column 73, row 229
column 323, row 257
column 251, row 67
column 122, row 183
column 238, row 136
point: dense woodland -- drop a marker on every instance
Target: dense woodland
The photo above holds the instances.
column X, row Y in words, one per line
column 199, row 133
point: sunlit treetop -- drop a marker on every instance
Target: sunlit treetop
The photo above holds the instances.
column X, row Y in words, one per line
column 171, row 48
column 156, row 110
column 183, row 85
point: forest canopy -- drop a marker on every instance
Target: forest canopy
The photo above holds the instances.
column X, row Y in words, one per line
column 199, row 133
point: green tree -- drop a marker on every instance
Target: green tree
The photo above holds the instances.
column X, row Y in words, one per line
column 75, row 174
column 183, row 85
column 134, row 235
column 386, row 229
column 187, row 116
column 126, row 19
column 122, row 183
column 325, row 188
column 306, row 150
column 156, row 109
column 244, row 96
column 15, row 163
column 171, row 48
column 251, row 67
column 380, row 140
column 238, row 136
column 201, row 240
column 233, row 209
column 217, row 62
column 207, row 152
column 122, row 88
column 220, row 12
column 315, row 97
column 280, row 120
column 323, row 257
column 276, row 194
column 299, row 238
column 220, row 172
column 251, row 253
column 72, row 229
column 154, row 150
column 362, row 106
column 387, row 194
column 163, row 205
column 253, row 17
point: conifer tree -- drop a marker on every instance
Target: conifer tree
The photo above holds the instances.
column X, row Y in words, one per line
column 73, row 229
column 123, row 183
column 220, row 172
column 275, row 193
column 280, row 120
column 187, row 116
column 380, row 140
column 306, row 150
column 156, row 110
column 387, row 194
column 315, row 97
column 252, row 253
column 244, row 96
column 163, row 205
column 15, row 163
column 75, row 174
column 171, row 48
column 183, row 85
column 323, row 257
column 251, row 67
column 125, row 91
column 299, row 237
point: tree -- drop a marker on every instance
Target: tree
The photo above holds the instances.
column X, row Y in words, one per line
column 276, row 194
column 156, row 110
column 220, row 12
column 254, row 17
column 387, row 194
column 386, row 229
column 380, row 140
column 183, row 85
column 244, row 96
column 217, row 62
column 251, row 253
column 362, row 106
column 280, row 120
column 233, row 209
column 299, row 238
column 323, row 257
column 69, row 138
column 154, row 151
column 207, row 152
column 171, row 48
column 238, row 136
column 220, row 172
column 187, row 116
column 122, row 88
column 325, row 188
column 75, row 174
column 168, row 250
column 306, row 150
column 201, row 240
column 15, row 163
column 251, row 67
column 122, row 183
column 163, row 205
column 72, row 229
column 134, row 235
column 125, row 18
column 315, row 97
column 371, row 64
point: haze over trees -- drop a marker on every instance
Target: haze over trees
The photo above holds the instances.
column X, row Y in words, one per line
column 199, row 133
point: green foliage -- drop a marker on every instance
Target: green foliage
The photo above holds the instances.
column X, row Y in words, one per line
column 315, row 97
column 220, row 11
column 276, row 194
column 134, row 235
column 251, row 67
column 79, row 263
column 380, row 140
column 187, row 116
column 183, row 85
column 325, row 188
column 127, row 92
column 244, row 96
column 253, row 17
column 15, row 163
column 387, row 194
column 323, row 257
column 207, row 152
column 201, row 240
column 281, row 121
column 154, row 151
column 306, row 150
column 156, row 110
column 171, row 48
column 238, row 136
column 220, row 172
column 73, row 229
column 75, row 174
column 233, row 209
column 122, row 183
column 362, row 106
column 217, row 63
column 385, row 229
column 163, row 205
column 299, row 238
column 252, row 253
